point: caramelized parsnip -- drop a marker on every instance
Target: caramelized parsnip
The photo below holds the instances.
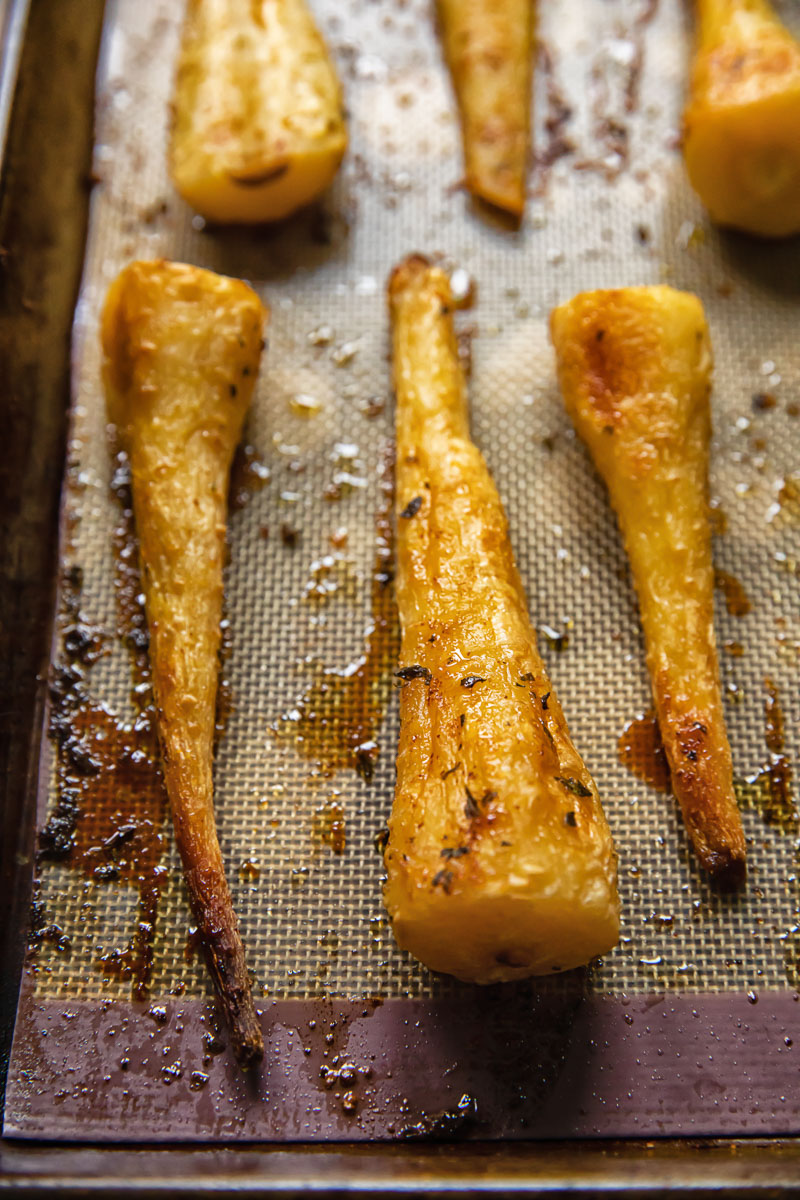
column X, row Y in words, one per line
column 742, row 122
column 634, row 366
column 182, row 349
column 499, row 860
column 488, row 47
column 258, row 126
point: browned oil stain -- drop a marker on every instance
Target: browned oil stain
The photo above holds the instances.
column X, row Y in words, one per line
column 336, row 721
column 557, row 116
column 736, row 599
column 718, row 518
column 135, row 961
column 249, row 871
column 249, row 474
column 640, row 749
column 328, row 826
column 769, row 790
column 111, row 802
column 786, row 508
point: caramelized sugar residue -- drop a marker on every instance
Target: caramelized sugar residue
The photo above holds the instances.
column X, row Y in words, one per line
column 111, row 801
column 641, row 750
column 336, row 721
column 736, row 599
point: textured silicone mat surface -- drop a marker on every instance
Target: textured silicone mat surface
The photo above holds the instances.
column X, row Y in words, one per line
column 610, row 205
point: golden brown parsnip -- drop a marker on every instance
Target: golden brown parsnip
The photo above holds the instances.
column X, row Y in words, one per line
column 181, row 353
column 488, row 47
column 258, row 126
column 634, row 366
column 499, row 860
column 742, row 122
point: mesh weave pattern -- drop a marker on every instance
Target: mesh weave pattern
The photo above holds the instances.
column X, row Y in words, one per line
column 616, row 210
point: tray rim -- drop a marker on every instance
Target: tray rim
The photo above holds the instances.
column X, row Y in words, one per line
column 696, row 1167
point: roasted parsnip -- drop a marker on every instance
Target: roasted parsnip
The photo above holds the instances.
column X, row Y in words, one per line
column 258, row 126
column 499, row 859
column 181, row 352
column 742, row 122
column 634, row 366
column 488, row 48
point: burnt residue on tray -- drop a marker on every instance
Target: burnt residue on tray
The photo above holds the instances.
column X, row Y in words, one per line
column 336, row 720
column 110, row 800
column 443, row 1126
column 615, row 96
column 558, row 113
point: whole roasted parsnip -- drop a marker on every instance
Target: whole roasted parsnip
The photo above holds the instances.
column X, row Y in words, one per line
column 258, row 127
column 634, row 366
column 499, row 860
column 742, row 122
column 488, row 47
column 181, row 353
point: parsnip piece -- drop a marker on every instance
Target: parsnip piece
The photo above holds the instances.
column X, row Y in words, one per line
column 499, row 860
column 258, row 124
column 634, row 366
column 742, row 122
column 181, row 353
column 488, row 47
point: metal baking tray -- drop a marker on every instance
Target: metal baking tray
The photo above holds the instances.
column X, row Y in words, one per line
column 687, row 1028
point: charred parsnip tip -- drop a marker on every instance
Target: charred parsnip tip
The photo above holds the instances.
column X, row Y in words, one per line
column 499, row 860
column 634, row 366
column 742, row 122
column 488, row 47
column 181, row 353
column 258, row 128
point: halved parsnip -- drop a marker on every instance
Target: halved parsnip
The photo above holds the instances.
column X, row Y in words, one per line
column 258, row 126
column 488, row 47
column 634, row 366
column 742, row 122
column 181, row 353
column 499, row 860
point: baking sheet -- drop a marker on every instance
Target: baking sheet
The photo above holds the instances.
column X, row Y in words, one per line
column 312, row 631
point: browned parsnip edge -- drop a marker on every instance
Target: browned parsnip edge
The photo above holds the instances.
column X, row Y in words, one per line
column 634, row 366
column 181, row 352
column 499, row 860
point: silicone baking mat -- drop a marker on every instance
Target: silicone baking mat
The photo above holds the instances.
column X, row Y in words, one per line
column 687, row 1026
